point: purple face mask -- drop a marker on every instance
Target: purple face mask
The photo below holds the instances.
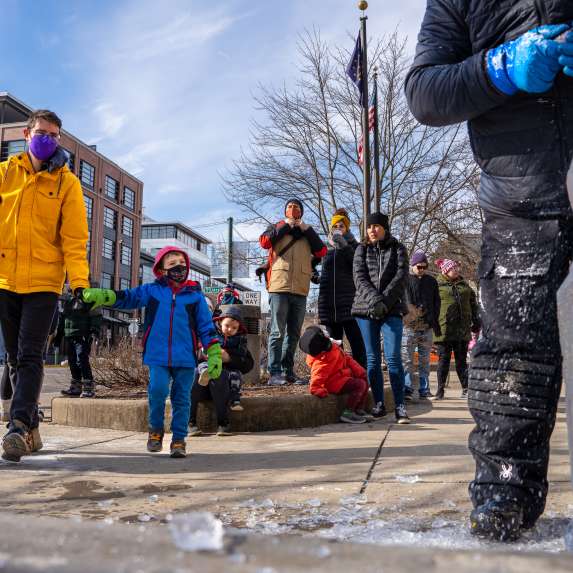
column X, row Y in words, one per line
column 43, row 146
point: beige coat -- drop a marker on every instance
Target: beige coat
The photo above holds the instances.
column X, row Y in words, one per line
column 291, row 272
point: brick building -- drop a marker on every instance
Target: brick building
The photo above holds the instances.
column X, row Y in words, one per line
column 112, row 196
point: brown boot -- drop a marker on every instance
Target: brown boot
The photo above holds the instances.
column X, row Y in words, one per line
column 35, row 440
column 178, row 449
column 16, row 443
column 155, row 441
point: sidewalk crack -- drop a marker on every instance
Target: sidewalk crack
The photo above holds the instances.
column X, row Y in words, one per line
column 374, row 462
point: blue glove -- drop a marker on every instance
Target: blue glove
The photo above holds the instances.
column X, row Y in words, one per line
column 528, row 63
column 566, row 50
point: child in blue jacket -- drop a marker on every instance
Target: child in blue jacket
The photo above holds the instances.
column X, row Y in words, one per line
column 176, row 316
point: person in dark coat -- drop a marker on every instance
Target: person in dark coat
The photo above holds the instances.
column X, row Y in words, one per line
column 336, row 293
column 380, row 273
column 504, row 67
column 80, row 326
column 422, row 298
column 458, row 318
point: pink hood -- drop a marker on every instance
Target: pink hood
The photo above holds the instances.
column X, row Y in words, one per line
column 162, row 253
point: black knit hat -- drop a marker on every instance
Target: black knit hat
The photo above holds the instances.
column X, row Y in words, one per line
column 298, row 202
column 314, row 341
column 378, row 219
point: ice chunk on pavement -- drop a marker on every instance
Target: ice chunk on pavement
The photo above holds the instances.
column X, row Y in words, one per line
column 144, row 517
column 197, row 531
column 153, row 498
column 408, row 479
column 315, row 502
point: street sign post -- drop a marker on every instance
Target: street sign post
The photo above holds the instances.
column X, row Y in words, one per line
column 252, row 298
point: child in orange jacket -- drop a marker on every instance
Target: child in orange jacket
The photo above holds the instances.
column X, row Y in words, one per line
column 332, row 371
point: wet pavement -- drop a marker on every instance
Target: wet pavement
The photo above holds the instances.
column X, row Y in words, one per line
column 377, row 483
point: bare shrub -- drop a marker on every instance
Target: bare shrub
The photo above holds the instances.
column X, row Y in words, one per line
column 120, row 366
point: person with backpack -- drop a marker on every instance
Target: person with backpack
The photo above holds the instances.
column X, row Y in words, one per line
column 292, row 245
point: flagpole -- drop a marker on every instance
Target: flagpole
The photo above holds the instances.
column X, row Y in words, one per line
column 363, row 5
column 377, row 192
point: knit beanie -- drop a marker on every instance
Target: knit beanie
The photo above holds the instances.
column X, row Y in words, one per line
column 298, row 202
column 314, row 341
column 446, row 265
column 418, row 257
column 378, row 219
column 340, row 216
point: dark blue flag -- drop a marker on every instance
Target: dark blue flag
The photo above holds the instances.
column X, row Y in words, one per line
column 354, row 68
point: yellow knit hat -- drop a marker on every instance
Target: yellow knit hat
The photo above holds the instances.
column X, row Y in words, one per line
column 340, row 215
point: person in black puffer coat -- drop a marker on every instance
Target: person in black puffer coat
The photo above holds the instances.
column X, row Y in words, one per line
column 336, row 293
column 380, row 273
column 504, row 67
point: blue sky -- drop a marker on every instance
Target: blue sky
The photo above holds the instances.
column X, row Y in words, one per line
column 165, row 88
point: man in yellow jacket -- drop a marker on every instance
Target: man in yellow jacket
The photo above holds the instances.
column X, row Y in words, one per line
column 43, row 236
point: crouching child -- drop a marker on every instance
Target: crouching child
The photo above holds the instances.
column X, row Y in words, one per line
column 176, row 317
column 225, row 391
column 332, row 371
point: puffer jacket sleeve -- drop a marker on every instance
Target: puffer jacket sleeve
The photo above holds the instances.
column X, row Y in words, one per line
column 204, row 321
column 366, row 293
column 447, row 83
column 131, row 298
column 394, row 291
column 319, row 374
column 74, row 236
column 317, row 247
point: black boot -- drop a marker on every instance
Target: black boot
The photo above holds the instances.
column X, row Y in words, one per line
column 89, row 389
column 74, row 390
column 440, row 394
column 497, row 520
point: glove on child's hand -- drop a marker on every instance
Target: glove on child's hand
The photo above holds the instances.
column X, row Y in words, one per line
column 98, row 297
column 214, row 361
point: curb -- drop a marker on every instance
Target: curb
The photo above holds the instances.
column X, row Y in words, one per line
column 261, row 414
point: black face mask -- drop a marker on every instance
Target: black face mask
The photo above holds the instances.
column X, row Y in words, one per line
column 177, row 274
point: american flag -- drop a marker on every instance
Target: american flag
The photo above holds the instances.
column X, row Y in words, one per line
column 371, row 124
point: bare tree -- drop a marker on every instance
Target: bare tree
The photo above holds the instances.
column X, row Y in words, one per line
column 306, row 145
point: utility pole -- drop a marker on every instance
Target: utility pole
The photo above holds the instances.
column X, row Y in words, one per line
column 230, row 257
column 363, row 5
column 377, row 192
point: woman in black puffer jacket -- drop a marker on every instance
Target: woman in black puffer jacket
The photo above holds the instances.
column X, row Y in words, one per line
column 337, row 289
column 380, row 274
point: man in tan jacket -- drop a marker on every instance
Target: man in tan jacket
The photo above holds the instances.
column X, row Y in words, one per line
column 292, row 245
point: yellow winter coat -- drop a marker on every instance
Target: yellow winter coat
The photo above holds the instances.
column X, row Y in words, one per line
column 43, row 228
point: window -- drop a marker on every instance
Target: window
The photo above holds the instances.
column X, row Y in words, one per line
column 10, row 148
column 124, row 283
column 127, row 227
column 111, row 188
column 109, row 218
column 125, row 255
column 108, row 249
column 158, row 232
column 71, row 159
column 87, row 174
column 89, row 203
column 107, row 281
column 129, row 198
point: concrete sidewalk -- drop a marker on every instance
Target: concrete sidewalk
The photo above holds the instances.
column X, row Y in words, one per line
column 379, row 482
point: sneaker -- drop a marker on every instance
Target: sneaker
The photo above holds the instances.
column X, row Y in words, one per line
column 236, row 406
column 351, row 417
column 155, row 441
column 88, row 389
column 426, row 395
column 224, row 430
column 194, row 431
column 464, row 393
column 74, row 391
column 296, row 381
column 402, row 415
column 409, row 397
column 364, row 414
column 203, row 379
column 440, row 395
column 177, row 449
column 408, row 391
column 497, row 520
column 379, row 410
column 276, row 380
column 16, row 442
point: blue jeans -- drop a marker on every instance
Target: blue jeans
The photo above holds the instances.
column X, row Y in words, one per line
column 420, row 340
column 157, row 392
column 287, row 316
column 391, row 328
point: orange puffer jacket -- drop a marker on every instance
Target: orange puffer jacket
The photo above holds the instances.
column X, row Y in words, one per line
column 331, row 370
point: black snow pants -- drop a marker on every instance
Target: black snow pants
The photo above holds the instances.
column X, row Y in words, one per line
column 515, row 374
